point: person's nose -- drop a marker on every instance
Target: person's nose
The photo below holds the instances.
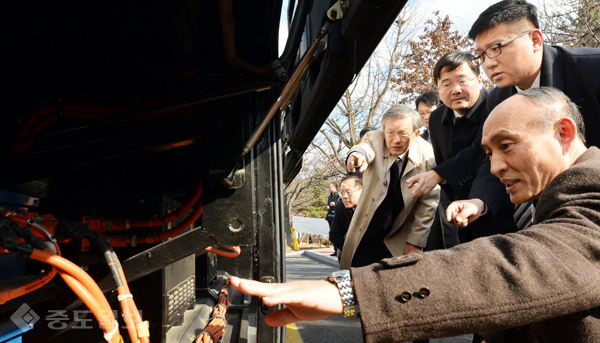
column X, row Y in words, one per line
column 490, row 63
column 456, row 88
column 497, row 165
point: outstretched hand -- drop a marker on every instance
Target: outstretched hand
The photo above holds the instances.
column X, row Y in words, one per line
column 423, row 183
column 356, row 160
column 304, row 300
column 464, row 212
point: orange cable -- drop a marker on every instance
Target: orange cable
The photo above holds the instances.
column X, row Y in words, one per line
column 68, row 267
column 233, row 251
column 183, row 209
column 189, row 220
column 218, row 323
column 104, row 316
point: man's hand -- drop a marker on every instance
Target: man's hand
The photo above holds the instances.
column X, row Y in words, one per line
column 423, row 183
column 332, row 204
column 411, row 248
column 304, row 300
column 463, row 212
column 356, row 159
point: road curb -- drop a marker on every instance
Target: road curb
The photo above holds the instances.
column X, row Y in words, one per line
column 330, row 260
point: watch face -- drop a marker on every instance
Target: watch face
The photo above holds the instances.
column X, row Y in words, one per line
column 340, row 273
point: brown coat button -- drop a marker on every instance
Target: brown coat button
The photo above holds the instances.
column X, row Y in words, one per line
column 424, row 292
column 405, row 296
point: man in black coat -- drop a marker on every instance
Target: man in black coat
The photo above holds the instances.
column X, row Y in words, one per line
column 455, row 130
column 512, row 53
column 332, row 200
column 350, row 190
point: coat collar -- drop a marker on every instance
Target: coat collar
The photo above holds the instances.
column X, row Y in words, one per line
column 551, row 73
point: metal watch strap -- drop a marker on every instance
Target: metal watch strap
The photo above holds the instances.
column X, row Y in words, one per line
column 342, row 279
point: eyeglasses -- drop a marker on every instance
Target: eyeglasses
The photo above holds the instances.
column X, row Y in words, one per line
column 447, row 85
column 399, row 135
column 349, row 192
column 495, row 50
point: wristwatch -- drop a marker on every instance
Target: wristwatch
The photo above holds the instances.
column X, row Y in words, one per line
column 341, row 279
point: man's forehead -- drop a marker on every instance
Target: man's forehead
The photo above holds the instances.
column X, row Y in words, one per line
column 507, row 116
column 424, row 107
column 461, row 70
column 398, row 122
column 348, row 184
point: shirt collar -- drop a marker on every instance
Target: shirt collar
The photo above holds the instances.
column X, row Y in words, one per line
column 401, row 157
column 535, row 84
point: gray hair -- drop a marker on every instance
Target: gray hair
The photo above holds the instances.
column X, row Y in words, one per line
column 554, row 105
column 402, row 111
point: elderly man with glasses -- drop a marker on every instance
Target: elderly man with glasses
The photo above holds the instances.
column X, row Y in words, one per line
column 387, row 221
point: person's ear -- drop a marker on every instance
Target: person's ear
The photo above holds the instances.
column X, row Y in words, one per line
column 566, row 132
column 538, row 40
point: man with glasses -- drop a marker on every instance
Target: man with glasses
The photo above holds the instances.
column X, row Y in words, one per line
column 387, row 221
column 350, row 190
column 455, row 132
column 511, row 51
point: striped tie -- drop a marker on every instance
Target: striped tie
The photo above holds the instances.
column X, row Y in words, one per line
column 524, row 215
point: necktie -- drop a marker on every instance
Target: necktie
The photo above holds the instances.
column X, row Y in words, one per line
column 524, row 215
column 392, row 211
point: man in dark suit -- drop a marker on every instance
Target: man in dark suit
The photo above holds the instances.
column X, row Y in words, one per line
column 512, row 53
column 456, row 129
column 425, row 104
column 536, row 285
column 350, row 190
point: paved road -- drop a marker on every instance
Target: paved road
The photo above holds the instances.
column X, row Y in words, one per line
column 335, row 328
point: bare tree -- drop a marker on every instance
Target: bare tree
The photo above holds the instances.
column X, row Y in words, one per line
column 375, row 88
column 571, row 23
column 369, row 95
column 310, row 186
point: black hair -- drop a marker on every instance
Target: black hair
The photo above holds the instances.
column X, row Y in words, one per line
column 365, row 130
column 453, row 60
column 508, row 12
column 358, row 181
column 429, row 98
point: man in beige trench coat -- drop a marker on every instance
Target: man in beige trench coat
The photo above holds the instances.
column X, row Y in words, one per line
column 387, row 221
